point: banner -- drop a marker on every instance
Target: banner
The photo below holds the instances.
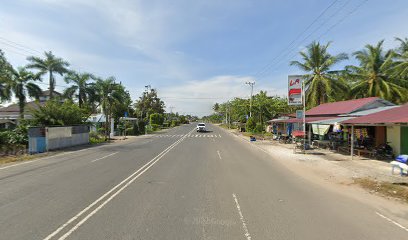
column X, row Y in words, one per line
column 295, row 90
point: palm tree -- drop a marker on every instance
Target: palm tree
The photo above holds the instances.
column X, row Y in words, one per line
column 321, row 84
column 372, row 77
column 49, row 65
column 22, row 85
column 400, row 70
column 81, row 88
column 109, row 94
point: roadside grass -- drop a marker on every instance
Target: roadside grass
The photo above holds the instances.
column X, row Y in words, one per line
column 386, row 189
column 20, row 158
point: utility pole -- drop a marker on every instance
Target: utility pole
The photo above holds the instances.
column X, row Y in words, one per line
column 250, row 101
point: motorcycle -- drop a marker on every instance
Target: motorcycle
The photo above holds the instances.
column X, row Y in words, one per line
column 384, row 152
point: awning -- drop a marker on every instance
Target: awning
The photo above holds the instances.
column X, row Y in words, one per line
column 308, row 119
column 331, row 121
column 298, row 133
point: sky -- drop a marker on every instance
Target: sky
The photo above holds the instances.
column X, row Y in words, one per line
column 195, row 53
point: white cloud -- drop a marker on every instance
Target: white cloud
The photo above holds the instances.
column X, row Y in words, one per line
column 198, row 97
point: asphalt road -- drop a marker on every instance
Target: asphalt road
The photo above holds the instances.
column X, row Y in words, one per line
column 177, row 185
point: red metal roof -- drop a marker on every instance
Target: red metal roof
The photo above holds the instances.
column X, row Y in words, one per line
column 393, row 115
column 300, row 120
column 341, row 107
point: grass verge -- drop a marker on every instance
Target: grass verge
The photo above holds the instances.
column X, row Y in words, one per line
column 394, row 190
column 20, row 158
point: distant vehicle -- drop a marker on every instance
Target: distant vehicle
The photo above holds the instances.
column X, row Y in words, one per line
column 201, row 127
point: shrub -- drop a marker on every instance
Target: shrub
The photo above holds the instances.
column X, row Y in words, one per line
column 155, row 127
column 156, row 118
column 251, row 124
column 259, row 128
column 174, row 123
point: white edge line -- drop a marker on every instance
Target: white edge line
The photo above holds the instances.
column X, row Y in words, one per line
column 43, row 158
column 241, row 217
column 392, row 221
column 104, row 157
column 106, row 194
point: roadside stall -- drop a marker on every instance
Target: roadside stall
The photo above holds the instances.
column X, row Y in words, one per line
column 387, row 130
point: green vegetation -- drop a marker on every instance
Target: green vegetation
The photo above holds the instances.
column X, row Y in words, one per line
column 55, row 113
column 378, row 73
column 49, row 65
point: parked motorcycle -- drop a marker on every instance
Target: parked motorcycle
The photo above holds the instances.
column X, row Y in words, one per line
column 384, row 152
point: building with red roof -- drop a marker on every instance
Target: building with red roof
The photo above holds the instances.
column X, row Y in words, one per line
column 395, row 120
column 347, row 107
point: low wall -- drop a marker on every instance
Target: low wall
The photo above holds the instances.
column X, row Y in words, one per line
column 42, row 139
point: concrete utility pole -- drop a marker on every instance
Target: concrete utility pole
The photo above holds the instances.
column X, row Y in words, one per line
column 171, row 109
column 250, row 101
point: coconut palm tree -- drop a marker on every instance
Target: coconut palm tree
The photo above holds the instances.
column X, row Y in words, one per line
column 400, row 70
column 82, row 89
column 108, row 93
column 372, row 78
column 321, row 84
column 49, row 65
column 22, row 85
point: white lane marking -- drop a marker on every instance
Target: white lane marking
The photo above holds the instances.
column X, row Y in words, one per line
column 392, row 221
column 104, row 157
column 219, row 135
column 241, row 216
column 219, row 154
column 31, row 161
column 144, row 168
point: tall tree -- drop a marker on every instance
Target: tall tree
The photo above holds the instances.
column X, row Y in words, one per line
column 400, row 69
column 321, row 83
column 49, row 65
column 109, row 93
column 372, row 78
column 149, row 103
column 82, row 88
column 5, row 68
column 23, row 86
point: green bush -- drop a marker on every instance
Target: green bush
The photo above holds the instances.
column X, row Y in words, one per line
column 156, row 118
column 174, row 123
column 251, row 125
column 155, row 127
column 259, row 128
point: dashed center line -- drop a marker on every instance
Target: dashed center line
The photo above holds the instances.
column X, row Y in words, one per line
column 104, row 157
column 219, row 154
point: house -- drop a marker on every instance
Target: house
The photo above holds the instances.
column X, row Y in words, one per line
column 10, row 115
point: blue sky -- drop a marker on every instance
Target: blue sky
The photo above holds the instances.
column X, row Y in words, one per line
column 195, row 53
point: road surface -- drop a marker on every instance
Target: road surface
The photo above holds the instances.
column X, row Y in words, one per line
column 177, row 185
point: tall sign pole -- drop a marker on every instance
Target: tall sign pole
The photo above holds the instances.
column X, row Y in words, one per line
column 250, row 101
column 296, row 97
column 304, row 114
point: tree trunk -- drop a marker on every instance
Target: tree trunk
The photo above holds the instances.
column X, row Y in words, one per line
column 21, row 103
column 51, row 87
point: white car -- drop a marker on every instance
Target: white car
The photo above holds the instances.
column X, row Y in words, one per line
column 201, row 127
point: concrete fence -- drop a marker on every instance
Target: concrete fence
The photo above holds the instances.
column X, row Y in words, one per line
column 43, row 139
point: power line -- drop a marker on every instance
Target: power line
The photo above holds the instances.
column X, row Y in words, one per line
column 283, row 58
column 331, row 27
column 297, row 37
